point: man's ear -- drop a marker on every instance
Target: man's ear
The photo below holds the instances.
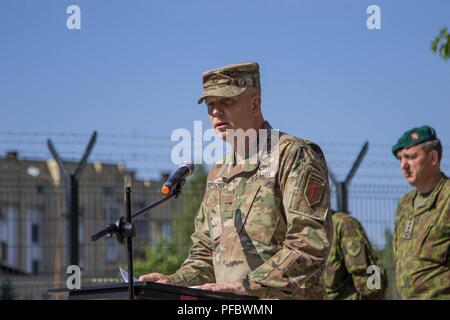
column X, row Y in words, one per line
column 434, row 157
column 256, row 105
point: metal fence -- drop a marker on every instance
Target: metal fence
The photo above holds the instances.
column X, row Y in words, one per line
column 33, row 247
column 33, row 243
column 32, row 230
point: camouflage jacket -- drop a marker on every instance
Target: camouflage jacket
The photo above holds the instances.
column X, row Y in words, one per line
column 266, row 223
column 346, row 272
column 421, row 245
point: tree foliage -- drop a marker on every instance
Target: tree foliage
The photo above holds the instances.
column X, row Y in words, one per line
column 168, row 254
column 441, row 44
column 183, row 223
column 387, row 260
column 163, row 257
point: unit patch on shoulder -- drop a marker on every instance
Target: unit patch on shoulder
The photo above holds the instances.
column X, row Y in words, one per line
column 314, row 189
column 353, row 247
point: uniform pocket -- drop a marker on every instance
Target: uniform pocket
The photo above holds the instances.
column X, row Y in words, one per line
column 216, row 227
column 434, row 244
column 259, row 214
column 212, row 205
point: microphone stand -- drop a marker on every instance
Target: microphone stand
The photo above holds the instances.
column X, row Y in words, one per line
column 125, row 230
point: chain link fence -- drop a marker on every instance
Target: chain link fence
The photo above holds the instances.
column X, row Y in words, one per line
column 33, row 213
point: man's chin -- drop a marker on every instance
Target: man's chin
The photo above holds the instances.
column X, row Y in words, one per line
column 411, row 180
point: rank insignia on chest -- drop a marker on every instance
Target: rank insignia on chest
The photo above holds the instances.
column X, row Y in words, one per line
column 408, row 232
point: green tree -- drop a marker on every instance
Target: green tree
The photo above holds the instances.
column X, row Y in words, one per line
column 387, row 260
column 168, row 254
column 441, row 44
column 163, row 257
column 183, row 223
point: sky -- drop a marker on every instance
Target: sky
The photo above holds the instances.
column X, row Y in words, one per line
column 133, row 74
column 135, row 66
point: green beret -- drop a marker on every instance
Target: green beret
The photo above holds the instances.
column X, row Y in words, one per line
column 414, row 137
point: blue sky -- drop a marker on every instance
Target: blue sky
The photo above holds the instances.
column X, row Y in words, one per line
column 135, row 68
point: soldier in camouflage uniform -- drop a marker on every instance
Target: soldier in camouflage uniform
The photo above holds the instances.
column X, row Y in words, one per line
column 264, row 225
column 346, row 273
column 422, row 227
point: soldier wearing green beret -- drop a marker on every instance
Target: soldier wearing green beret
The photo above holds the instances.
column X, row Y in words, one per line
column 264, row 225
column 422, row 227
column 347, row 271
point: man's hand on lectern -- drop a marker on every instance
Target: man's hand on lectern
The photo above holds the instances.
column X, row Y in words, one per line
column 235, row 287
column 155, row 277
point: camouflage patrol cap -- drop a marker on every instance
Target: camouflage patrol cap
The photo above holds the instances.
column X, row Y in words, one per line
column 230, row 80
column 414, row 137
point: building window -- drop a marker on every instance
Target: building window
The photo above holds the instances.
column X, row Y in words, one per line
column 35, row 267
column 141, row 229
column 112, row 212
column 4, row 251
column 33, row 240
column 9, row 236
column 35, row 233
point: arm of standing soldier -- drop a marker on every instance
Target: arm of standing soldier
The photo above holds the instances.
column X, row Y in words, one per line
column 303, row 179
column 358, row 256
column 395, row 246
column 446, row 224
column 197, row 269
column 394, row 238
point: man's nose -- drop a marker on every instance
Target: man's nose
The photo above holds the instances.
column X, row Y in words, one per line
column 217, row 112
column 404, row 164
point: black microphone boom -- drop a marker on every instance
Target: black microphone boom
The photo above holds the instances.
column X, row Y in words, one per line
column 107, row 231
column 178, row 178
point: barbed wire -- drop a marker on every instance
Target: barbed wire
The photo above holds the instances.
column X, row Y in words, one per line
column 150, row 154
column 84, row 135
column 139, row 136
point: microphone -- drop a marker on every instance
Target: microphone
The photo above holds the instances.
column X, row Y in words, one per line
column 178, row 178
column 107, row 231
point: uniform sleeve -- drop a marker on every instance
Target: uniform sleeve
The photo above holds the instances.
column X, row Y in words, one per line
column 197, row 269
column 395, row 248
column 303, row 180
column 395, row 236
column 358, row 256
column 446, row 226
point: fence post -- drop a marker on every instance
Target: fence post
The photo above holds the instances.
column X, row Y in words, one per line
column 342, row 186
column 72, row 198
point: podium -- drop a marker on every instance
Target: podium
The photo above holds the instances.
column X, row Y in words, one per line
column 146, row 291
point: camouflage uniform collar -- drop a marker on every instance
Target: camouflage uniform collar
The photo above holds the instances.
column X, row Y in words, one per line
column 228, row 171
column 431, row 199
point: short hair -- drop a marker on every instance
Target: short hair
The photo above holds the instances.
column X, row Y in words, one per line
column 254, row 90
column 433, row 145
